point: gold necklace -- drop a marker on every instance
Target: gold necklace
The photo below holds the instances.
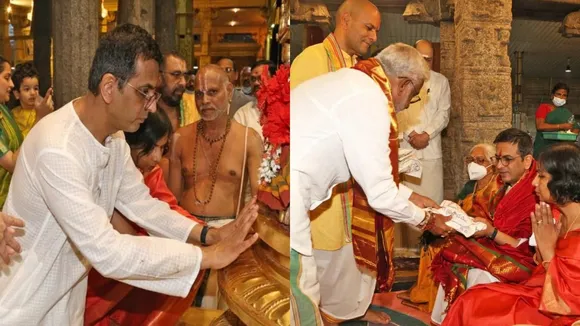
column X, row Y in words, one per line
column 571, row 224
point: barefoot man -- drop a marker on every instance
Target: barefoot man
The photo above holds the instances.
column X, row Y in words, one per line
column 210, row 159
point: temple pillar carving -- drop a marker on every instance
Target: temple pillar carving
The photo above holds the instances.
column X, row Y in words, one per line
column 72, row 57
column 480, row 79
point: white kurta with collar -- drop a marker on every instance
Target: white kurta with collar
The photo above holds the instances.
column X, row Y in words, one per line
column 65, row 186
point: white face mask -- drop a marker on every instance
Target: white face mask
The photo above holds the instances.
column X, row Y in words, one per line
column 476, row 171
column 558, row 101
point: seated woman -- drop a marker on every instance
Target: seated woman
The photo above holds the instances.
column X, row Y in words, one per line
column 552, row 295
column 553, row 117
column 111, row 302
column 474, row 199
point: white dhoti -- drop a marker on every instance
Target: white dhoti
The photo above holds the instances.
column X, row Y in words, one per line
column 429, row 185
column 333, row 282
column 475, row 277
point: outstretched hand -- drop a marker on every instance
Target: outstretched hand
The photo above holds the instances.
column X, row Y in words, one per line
column 8, row 244
column 234, row 241
column 422, row 201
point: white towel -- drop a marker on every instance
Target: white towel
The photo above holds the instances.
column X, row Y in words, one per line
column 460, row 221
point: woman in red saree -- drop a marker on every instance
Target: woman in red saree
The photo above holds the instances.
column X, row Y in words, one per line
column 110, row 302
column 552, row 295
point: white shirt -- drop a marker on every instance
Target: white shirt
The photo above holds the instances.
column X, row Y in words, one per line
column 430, row 115
column 65, row 187
column 340, row 128
column 249, row 116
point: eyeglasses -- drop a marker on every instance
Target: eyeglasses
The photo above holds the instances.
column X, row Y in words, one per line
column 479, row 159
column 150, row 98
column 228, row 69
column 505, row 160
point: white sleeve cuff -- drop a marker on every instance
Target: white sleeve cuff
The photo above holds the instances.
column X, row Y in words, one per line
column 404, row 191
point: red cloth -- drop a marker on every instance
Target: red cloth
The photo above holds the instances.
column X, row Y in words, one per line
column 110, row 302
column 543, row 110
column 548, row 298
column 511, row 216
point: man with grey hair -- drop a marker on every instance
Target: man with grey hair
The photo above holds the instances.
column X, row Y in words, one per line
column 346, row 119
column 420, row 129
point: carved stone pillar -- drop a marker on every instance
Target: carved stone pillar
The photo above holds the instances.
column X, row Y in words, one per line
column 165, row 12
column 481, row 91
column 185, row 30
column 447, row 68
column 5, row 49
column 75, row 43
column 205, row 22
column 41, row 34
column 138, row 12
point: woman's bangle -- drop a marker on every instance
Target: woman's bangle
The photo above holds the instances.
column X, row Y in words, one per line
column 493, row 234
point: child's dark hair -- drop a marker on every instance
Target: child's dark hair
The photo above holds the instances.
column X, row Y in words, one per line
column 156, row 126
column 21, row 71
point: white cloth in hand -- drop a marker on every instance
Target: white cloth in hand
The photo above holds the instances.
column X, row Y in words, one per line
column 460, row 221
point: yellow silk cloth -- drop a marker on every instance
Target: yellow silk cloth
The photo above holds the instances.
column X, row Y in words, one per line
column 477, row 204
column 24, row 118
column 189, row 113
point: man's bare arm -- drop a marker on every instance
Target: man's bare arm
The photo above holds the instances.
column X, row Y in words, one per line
column 121, row 224
column 254, row 152
column 175, row 175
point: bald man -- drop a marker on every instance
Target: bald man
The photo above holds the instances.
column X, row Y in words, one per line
column 239, row 99
column 357, row 24
column 207, row 157
column 420, row 127
column 213, row 159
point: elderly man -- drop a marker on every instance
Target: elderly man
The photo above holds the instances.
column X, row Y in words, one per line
column 212, row 159
column 249, row 114
column 70, row 176
column 420, row 128
column 344, row 125
column 357, row 24
column 239, row 99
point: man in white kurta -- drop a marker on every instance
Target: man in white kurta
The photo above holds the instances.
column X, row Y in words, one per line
column 70, row 176
column 340, row 128
column 420, row 128
column 66, row 185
